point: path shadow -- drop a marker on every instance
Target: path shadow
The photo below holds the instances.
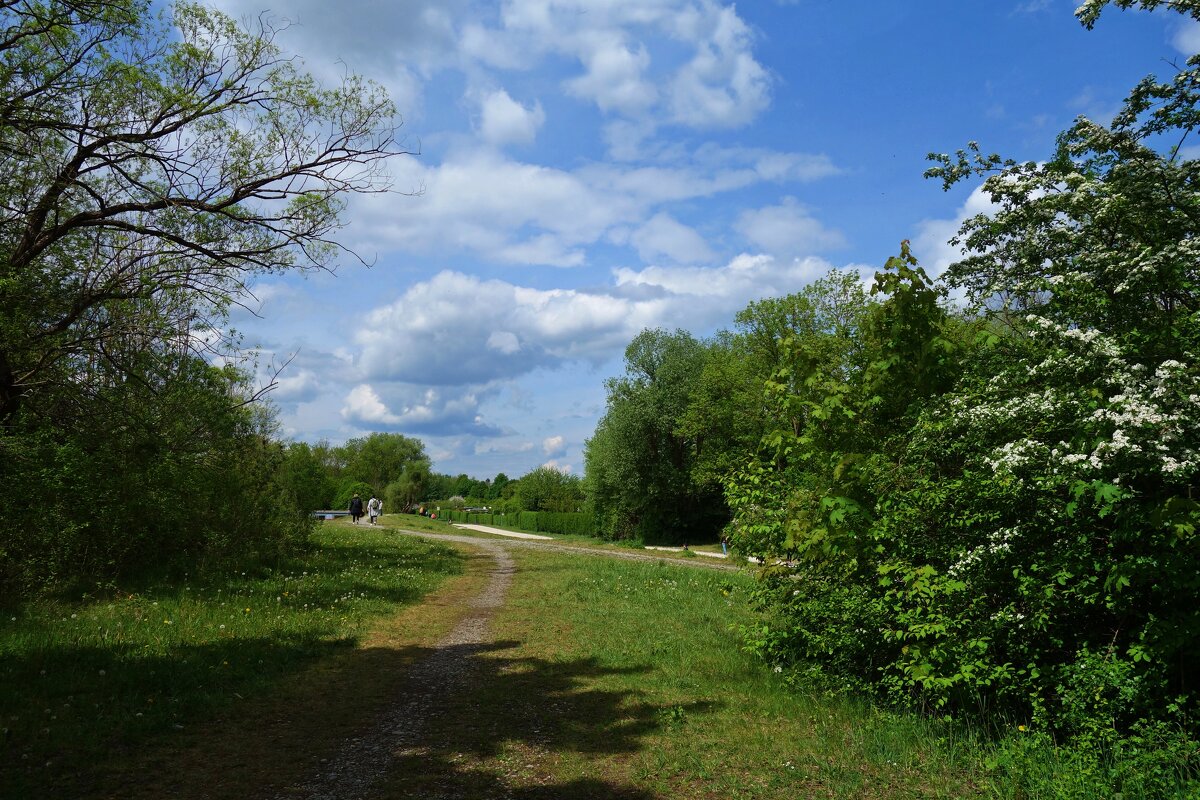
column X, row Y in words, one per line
column 486, row 737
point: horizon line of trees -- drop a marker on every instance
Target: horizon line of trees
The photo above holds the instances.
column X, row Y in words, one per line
column 396, row 469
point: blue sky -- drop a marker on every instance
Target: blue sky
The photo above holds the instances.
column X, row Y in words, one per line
column 590, row 168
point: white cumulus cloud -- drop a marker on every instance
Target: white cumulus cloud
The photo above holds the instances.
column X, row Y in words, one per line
column 503, row 120
column 663, row 235
column 932, row 245
column 787, row 229
column 364, row 406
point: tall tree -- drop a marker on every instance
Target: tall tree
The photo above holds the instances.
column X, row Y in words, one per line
column 149, row 170
column 149, row 167
column 548, row 489
column 639, row 461
column 380, row 459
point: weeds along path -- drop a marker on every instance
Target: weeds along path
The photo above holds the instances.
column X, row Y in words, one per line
column 366, row 758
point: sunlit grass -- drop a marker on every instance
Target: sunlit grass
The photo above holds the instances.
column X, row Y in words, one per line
column 630, row 679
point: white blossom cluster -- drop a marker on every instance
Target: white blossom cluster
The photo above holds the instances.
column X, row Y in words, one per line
column 998, row 543
column 1132, row 421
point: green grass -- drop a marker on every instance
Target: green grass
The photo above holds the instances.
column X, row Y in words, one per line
column 627, row 680
column 413, row 522
column 606, row 679
column 105, row 676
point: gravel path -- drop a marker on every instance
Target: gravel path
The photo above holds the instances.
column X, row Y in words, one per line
column 366, row 758
column 627, row 555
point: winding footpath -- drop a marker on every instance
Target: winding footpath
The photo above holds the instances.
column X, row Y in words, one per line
column 366, row 758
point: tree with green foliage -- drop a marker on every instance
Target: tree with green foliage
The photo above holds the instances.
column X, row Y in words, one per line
column 549, row 489
column 302, row 473
column 998, row 513
column 639, row 461
column 150, row 168
column 724, row 415
column 381, row 459
column 409, row 489
column 149, row 171
column 1081, row 443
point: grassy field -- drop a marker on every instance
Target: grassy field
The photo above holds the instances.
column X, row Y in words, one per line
column 607, row 679
column 92, row 690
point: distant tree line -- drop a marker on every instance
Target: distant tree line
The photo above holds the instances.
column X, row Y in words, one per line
column 395, row 468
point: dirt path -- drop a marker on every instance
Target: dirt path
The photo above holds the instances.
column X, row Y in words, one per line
column 395, row 735
column 365, row 759
column 628, row 555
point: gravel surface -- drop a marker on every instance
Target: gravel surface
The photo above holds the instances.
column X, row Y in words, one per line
column 365, row 758
column 628, row 555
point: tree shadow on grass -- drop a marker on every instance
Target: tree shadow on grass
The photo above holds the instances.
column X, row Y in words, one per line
column 413, row 722
column 497, row 733
column 75, row 713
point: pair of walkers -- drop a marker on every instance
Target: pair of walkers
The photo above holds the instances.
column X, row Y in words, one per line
column 374, row 508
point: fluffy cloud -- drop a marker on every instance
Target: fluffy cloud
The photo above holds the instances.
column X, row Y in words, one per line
column 505, row 121
column 613, row 76
column 457, row 330
column 364, row 407
column 394, row 43
column 1187, row 37
column 932, row 243
column 664, row 61
column 301, row 386
column 509, row 211
column 418, row 409
column 675, row 61
column 553, row 446
column 504, row 209
column 787, row 229
column 722, row 85
column 665, row 236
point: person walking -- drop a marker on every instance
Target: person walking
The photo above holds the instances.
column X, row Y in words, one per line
column 374, row 508
column 356, row 508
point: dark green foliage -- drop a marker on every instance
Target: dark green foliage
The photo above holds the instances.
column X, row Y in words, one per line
column 995, row 513
column 348, row 488
column 549, row 489
column 640, row 460
column 166, row 473
column 303, row 475
column 122, row 450
column 381, row 459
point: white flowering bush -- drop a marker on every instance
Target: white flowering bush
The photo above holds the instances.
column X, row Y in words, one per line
column 1068, row 523
column 999, row 512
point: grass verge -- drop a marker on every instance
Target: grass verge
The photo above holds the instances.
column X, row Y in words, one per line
column 626, row 681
